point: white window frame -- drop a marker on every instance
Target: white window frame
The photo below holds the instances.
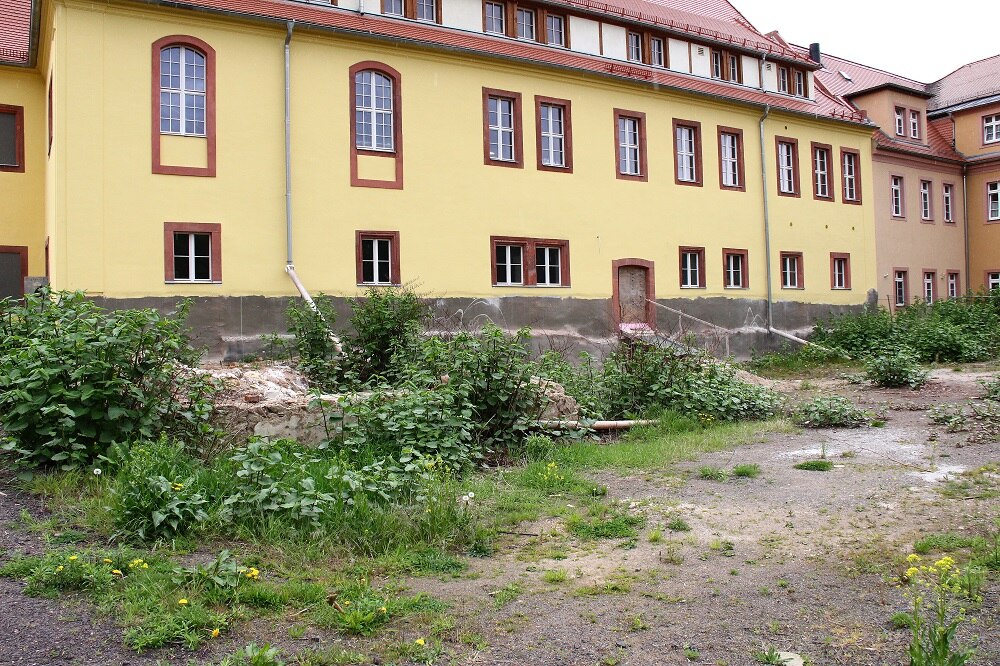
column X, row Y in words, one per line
column 734, row 270
column 192, row 256
column 508, row 262
column 657, row 52
column 500, row 116
column 783, row 80
column 691, row 269
column 548, row 258
column 946, row 202
column 629, row 146
column 687, row 157
column 914, row 124
column 821, row 172
column 423, row 6
column 555, row 25
column 800, row 84
column 850, row 177
column 183, row 95
column 790, row 271
column 634, row 44
column 730, row 159
column 552, row 123
column 900, row 122
column 899, row 288
column 993, row 201
column 993, row 280
column 378, row 259
column 496, row 18
column 896, row 196
column 952, row 285
column 376, row 113
column 717, row 64
column 929, row 286
column 734, row 69
column 393, row 8
column 526, row 24
column 991, row 128
column 786, row 167
column 925, row 200
column 840, row 272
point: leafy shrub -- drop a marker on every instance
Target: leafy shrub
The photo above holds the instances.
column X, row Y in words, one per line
column 829, row 412
column 583, row 382
column 313, row 340
column 895, row 367
column 857, row 334
column 384, row 319
column 75, row 378
column 991, row 389
column 951, row 415
column 154, row 492
column 788, row 362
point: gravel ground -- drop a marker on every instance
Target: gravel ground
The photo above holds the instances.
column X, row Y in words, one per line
column 790, row 559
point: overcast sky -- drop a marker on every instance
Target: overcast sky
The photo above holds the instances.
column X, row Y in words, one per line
column 920, row 40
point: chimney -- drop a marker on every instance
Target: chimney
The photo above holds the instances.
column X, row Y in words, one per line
column 814, row 54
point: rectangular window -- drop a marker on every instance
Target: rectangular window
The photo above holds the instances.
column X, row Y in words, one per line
column 427, row 10
column 991, row 128
column 554, row 127
column 783, row 79
column 791, row 270
column 946, row 200
column 900, row 288
column 509, row 264
column 526, row 24
column 630, row 144
column 555, row 30
column 193, row 252
column 929, row 287
column 800, row 83
column 392, row 7
column 952, row 284
column 993, row 200
column 635, row 47
column 840, row 270
column 731, row 159
column 737, row 275
column 687, row 152
column 692, row 267
column 925, row 200
column 993, row 280
column 377, row 257
column 852, row 186
column 530, row 262
column 735, row 70
column 821, row 171
column 502, row 128
column 896, row 196
column 657, row 52
column 788, row 167
column 717, row 67
column 914, row 124
column 900, row 130
column 11, row 138
column 495, row 18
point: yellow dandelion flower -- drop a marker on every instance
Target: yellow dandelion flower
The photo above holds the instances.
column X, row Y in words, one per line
column 420, row 641
column 59, row 568
column 383, row 610
column 116, row 572
column 74, row 558
column 107, row 560
column 145, row 566
column 182, row 602
column 215, row 633
column 347, row 603
column 176, row 486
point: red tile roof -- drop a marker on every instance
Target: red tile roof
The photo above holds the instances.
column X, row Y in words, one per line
column 15, row 31
column 437, row 36
column 968, row 82
column 938, row 146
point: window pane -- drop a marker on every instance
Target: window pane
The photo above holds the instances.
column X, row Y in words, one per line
column 202, row 268
column 555, row 34
column 8, row 139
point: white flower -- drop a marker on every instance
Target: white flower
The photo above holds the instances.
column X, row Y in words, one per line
column 472, row 495
column 97, row 471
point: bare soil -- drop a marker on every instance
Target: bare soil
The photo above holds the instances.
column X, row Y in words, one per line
column 802, row 561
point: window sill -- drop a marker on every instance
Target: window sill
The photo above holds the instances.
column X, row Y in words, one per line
column 737, row 288
column 793, row 288
column 696, row 286
column 788, row 194
column 532, row 286
column 819, row 198
column 688, row 183
column 511, row 164
column 192, row 282
column 196, row 136
column 840, row 288
column 733, row 188
column 376, row 151
column 379, row 284
column 851, row 202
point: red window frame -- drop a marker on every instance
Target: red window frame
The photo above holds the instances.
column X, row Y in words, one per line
column 215, row 247
column 529, row 267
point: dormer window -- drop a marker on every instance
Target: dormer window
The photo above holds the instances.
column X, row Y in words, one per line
column 526, row 24
column 900, row 128
column 421, row 10
column 555, row 30
column 495, row 18
column 635, row 47
column 657, row 52
column 914, row 124
column 726, row 66
column 783, row 79
column 800, row 84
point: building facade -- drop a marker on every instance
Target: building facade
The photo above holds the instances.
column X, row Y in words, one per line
column 562, row 165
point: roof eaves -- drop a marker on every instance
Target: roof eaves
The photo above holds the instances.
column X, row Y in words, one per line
column 21, row 58
column 963, row 105
column 889, row 86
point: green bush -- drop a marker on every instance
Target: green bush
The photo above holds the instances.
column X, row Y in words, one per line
column 75, row 378
column 895, row 367
column 829, row 412
column 991, row 389
column 383, row 321
column 315, row 348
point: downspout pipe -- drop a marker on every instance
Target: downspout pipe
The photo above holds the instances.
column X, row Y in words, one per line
column 289, row 257
column 767, row 219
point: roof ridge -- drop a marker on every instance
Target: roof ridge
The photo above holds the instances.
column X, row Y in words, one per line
column 960, row 67
column 869, row 67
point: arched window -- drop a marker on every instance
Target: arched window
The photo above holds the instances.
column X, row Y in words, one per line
column 373, row 111
column 182, row 91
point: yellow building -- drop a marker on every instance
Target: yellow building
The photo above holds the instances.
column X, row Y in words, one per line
column 561, row 165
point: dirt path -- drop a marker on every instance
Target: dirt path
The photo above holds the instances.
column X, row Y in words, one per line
column 793, row 559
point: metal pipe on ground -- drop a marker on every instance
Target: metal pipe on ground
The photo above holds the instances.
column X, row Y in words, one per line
column 597, row 425
column 789, row 336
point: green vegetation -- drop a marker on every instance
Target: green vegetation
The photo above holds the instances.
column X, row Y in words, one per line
column 710, row 473
column 936, row 598
column 801, row 361
column 831, row 411
column 895, row 367
column 815, row 465
column 747, row 471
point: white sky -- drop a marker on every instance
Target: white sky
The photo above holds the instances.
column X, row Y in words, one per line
column 917, row 39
